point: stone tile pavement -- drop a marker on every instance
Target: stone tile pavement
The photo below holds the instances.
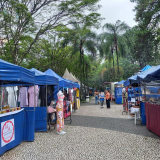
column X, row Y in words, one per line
column 95, row 134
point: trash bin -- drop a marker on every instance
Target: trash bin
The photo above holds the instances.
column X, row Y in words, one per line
column 87, row 98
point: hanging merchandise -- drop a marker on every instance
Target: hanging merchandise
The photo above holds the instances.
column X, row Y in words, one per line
column 2, row 98
column 60, row 116
column 70, row 95
column 12, row 96
column 31, row 95
column 50, row 93
column 42, row 95
column 23, row 97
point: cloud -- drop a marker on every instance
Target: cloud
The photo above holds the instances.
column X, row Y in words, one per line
column 113, row 10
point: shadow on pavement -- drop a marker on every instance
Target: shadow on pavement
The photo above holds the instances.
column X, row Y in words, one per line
column 114, row 124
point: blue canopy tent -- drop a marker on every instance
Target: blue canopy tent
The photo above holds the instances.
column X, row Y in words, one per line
column 149, row 75
column 41, row 112
column 121, row 82
column 44, row 79
column 146, row 68
column 13, row 74
column 23, row 120
column 134, row 79
column 152, row 73
column 62, row 82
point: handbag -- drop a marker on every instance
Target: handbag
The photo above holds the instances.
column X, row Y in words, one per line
column 50, row 109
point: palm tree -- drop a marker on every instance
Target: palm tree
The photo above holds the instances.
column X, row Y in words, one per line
column 114, row 39
column 82, row 40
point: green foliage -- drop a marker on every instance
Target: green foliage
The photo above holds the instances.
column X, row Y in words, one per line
column 36, row 18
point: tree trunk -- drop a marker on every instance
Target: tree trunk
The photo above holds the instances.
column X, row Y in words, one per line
column 117, row 62
column 84, row 78
column 87, row 78
column 80, row 49
column 113, row 67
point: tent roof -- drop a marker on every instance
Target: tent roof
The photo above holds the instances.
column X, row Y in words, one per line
column 13, row 74
column 149, row 75
column 67, row 75
column 70, row 77
column 146, row 68
column 62, row 82
column 44, row 79
column 121, row 82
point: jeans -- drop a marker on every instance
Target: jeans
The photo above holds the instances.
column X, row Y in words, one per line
column 96, row 99
column 102, row 103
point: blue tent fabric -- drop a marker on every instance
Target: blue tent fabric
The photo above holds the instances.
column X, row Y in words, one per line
column 44, row 79
column 121, row 82
column 151, row 74
column 62, row 82
column 146, row 68
column 40, row 119
column 13, row 74
column 126, row 83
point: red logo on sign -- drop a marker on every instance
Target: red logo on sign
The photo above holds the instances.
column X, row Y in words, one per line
column 7, row 131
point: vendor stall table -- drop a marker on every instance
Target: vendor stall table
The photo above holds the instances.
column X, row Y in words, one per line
column 153, row 117
column 11, row 134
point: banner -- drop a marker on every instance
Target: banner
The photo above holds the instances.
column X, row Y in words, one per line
column 7, row 132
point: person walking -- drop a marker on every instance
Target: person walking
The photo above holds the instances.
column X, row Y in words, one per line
column 96, row 97
column 108, row 96
column 101, row 98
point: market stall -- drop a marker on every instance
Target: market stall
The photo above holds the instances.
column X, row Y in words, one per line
column 46, row 85
column 67, row 87
column 150, row 94
column 15, row 123
column 118, row 92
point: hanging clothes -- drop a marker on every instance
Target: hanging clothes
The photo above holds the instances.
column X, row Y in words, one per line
column 70, row 95
column 31, row 95
column 50, row 93
column 42, row 95
column 23, row 97
column 12, row 96
column 60, row 114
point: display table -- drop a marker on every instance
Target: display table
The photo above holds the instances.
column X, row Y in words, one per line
column 153, row 117
column 11, row 125
column 40, row 119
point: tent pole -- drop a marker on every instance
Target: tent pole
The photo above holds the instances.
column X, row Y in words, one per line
column 46, row 95
column 34, row 97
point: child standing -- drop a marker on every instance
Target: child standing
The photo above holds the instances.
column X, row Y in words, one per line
column 101, row 98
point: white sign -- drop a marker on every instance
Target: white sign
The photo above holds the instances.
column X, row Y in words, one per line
column 7, row 132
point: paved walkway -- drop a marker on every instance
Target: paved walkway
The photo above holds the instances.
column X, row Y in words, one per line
column 95, row 134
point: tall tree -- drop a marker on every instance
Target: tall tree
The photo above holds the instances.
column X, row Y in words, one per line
column 24, row 22
column 84, row 41
column 113, row 39
column 146, row 34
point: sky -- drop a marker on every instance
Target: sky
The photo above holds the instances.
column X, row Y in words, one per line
column 113, row 10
